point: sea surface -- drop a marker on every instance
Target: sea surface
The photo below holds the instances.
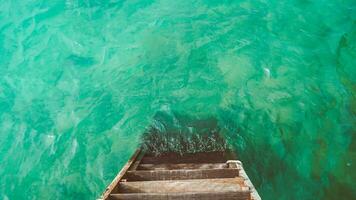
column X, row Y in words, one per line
column 81, row 80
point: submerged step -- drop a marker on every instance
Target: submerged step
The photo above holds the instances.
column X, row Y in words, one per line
column 197, row 185
column 240, row 195
column 181, row 174
column 182, row 166
column 175, row 158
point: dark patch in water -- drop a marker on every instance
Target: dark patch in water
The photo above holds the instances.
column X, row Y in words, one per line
column 172, row 132
column 81, row 61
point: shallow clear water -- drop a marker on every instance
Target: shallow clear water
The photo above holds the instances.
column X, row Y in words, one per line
column 81, row 79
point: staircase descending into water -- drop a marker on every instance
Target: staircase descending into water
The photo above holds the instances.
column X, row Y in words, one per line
column 170, row 176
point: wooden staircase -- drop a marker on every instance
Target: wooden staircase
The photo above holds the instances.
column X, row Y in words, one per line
column 199, row 176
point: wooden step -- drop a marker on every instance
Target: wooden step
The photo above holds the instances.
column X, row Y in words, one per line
column 175, row 158
column 152, row 175
column 197, row 185
column 240, row 195
column 182, row 166
column 171, row 176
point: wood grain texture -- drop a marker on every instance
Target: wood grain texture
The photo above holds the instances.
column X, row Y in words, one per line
column 184, row 196
column 182, row 166
column 197, row 185
column 181, row 174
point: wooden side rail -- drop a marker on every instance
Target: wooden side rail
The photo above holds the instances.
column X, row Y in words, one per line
column 242, row 173
column 114, row 184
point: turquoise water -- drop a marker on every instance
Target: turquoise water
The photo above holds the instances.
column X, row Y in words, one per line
column 81, row 79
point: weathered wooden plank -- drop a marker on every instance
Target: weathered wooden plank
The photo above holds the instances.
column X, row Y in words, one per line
column 243, row 195
column 113, row 186
column 174, row 158
column 197, row 185
column 137, row 161
column 153, row 175
column 247, row 181
column 182, row 166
